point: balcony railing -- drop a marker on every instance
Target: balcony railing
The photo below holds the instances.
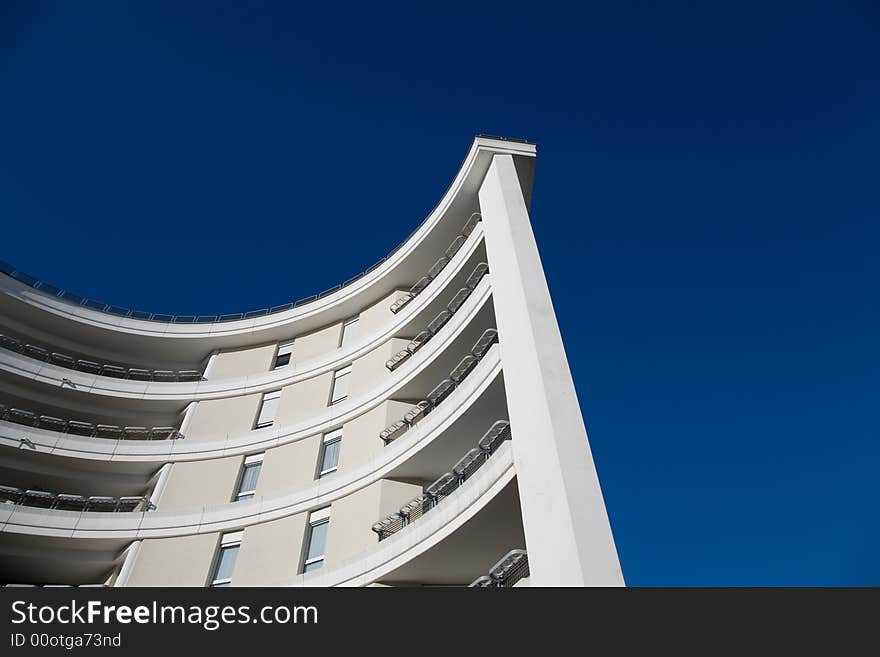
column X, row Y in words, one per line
column 440, row 320
column 121, row 311
column 510, row 569
column 447, row 484
column 438, row 266
column 90, row 367
column 443, row 389
column 88, row 429
column 64, row 502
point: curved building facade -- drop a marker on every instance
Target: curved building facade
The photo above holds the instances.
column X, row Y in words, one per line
column 417, row 425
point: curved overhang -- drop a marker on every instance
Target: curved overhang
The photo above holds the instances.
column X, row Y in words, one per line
column 181, row 342
column 408, row 322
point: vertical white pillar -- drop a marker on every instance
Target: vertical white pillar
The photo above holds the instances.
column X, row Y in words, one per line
column 187, row 417
column 209, row 368
column 567, row 532
column 131, row 553
column 161, row 482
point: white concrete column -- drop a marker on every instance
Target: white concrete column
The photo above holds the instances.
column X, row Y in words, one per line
column 567, row 532
column 161, row 482
column 209, row 368
column 131, row 553
column 187, row 418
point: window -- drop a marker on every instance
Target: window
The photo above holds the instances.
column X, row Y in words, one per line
column 225, row 561
column 340, row 385
column 316, row 540
column 268, row 408
column 349, row 332
column 285, row 352
column 247, row 481
column 329, row 460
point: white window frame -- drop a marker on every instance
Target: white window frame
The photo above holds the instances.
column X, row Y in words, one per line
column 319, row 517
column 251, row 460
column 350, row 322
column 228, row 540
column 341, row 373
column 329, row 438
column 269, row 396
column 284, row 348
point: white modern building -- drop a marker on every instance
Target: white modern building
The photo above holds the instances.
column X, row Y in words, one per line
column 416, row 425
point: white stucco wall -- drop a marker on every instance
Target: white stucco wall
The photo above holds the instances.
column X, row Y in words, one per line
column 289, row 467
column 176, row 561
column 360, row 437
column 200, row 483
column 241, row 362
column 269, row 551
column 215, row 418
column 316, row 343
column 352, row 517
column 304, row 399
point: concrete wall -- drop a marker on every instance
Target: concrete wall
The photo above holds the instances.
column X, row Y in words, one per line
column 270, row 552
column 290, row 466
column 317, row 343
column 215, row 418
column 352, row 517
column 201, row 483
column 253, row 360
column 177, row 561
column 379, row 315
column 242, row 362
column 369, row 370
column 360, row 437
column 304, row 399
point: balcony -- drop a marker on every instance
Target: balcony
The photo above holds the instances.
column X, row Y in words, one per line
column 507, row 572
column 66, row 502
column 448, row 483
column 443, row 389
column 114, row 370
column 438, row 266
column 440, row 320
column 89, row 429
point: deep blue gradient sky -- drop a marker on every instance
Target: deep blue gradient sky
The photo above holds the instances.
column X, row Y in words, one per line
column 707, row 203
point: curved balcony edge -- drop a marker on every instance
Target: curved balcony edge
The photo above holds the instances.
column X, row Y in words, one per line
column 55, row 376
column 238, row 515
column 53, row 442
column 456, row 510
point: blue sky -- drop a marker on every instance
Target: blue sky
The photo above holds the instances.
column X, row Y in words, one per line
column 706, row 203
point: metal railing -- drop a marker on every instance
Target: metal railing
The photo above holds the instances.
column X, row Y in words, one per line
column 63, row 502
column 440, row 320
column 453, row 248
column 443, row 389
column 122, row 311
column 88, row 429
column 446, row 484
column 510, row 569
column 90, row 367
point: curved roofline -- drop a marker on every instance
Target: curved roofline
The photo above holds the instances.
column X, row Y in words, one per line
column 39, row 372
column 480, row 143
